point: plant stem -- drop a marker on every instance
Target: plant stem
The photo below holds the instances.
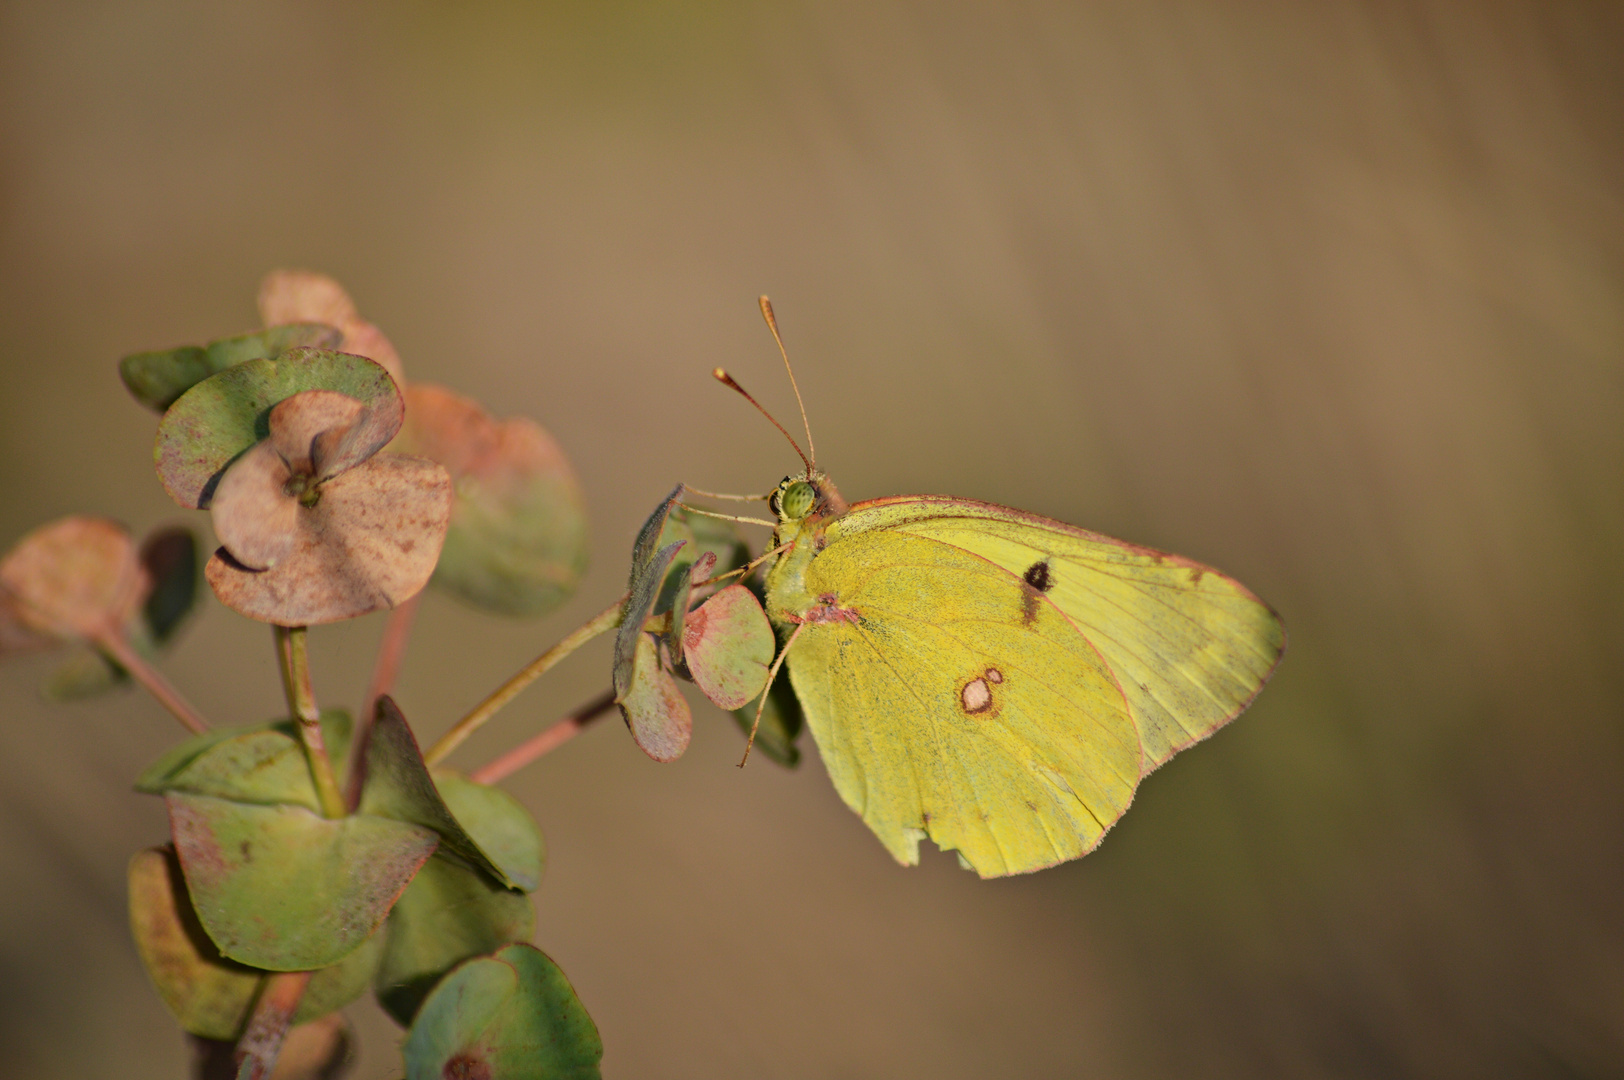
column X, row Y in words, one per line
column 279, row 998
column 606, row 620
column 293, row 650
column 548, row 739
column 396, row 632
column 113, row 642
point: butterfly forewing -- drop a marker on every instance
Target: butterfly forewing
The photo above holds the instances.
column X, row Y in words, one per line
column 950, row 702
column 1190, row 647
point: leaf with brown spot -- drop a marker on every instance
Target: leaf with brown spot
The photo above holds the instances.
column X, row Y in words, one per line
column 157, row 379
column 209, row 995
column 653, row 707
column 509, row 1016
column 282, row 888
column 369, row 543
column 76, row 577
column 225, row 414
column 293, row 296
column 517, row 541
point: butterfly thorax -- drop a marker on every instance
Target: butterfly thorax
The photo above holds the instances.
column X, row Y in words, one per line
column 804, row 506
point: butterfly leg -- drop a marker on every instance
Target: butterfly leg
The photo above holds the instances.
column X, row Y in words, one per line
column 772, row 673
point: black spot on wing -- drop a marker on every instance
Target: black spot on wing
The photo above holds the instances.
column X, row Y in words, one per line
column 1038, row 576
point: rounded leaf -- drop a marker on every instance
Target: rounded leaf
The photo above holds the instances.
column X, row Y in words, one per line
column 728, row 645
column 209, row 995
column 655, row 710
column 74, row 578
column 281, row 888
column 369, row 543
column 517, row 542
column 225, row 414
column 510, row 1016
column 499, row 824
column 157, row 379
column 264, row 764
column 292, row 296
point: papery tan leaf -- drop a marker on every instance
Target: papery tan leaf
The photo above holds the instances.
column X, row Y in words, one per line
column 75, row 577
column 253, row 515
column 313, row 431
column 295, row 296
column 370, row 542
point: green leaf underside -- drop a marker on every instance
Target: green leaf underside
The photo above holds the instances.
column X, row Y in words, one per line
column 158, row 378
column 499, row 824
column 399, row 787
column 263, row 765
column 512, row 1016
column 449, row 913
column 645, row 586
column 227, row 413
column 208, row 995
column 281, row 888
column 781, row 724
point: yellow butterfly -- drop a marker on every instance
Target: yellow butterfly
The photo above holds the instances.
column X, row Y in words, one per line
column 994, row 680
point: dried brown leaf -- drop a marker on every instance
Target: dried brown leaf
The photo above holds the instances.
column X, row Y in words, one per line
column 296, row 296
column 253, row 515
column 370, row 542
column 76, row 577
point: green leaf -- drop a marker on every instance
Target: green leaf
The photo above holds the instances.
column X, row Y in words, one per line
column 282, row 888
column 209, row 995
column 216, row 420
column 655, row 710
column 157, row 378
column 398, row 786
column 647, row 577
column 499, row 823
column 264, row 764
column 781, row 723
column 511, row 1016
column 728, row 645
column 517, row 541
column 449, row 912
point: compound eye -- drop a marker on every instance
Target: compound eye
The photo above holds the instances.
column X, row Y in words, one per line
column 798, row 500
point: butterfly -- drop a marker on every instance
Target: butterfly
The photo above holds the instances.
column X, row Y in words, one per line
column 993, row 680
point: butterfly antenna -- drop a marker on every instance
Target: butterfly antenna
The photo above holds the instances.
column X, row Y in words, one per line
column 772, row 324
column 723, row 377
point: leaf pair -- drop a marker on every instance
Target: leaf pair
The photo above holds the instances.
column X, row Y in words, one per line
column 724, row 646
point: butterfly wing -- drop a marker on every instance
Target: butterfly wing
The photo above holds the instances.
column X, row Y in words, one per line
column 946, row 702
column 1190, row 647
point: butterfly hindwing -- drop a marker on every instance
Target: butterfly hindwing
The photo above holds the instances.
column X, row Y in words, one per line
column 1189, row 646
column 951, row 702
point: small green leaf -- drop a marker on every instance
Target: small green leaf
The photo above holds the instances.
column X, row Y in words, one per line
column 264, row 764
column 510, row 1016
column 209, row 995
column 647, row 578
column 448, row 913
column 157, row 378
column 781, row 723
column 499, row 823
column 281, row 888
column 517, row 541
column 655, row 710
column 398, row 786
column 216, row 420
column 728, row 645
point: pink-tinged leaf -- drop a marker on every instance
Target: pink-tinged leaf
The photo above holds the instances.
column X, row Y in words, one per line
column 370, row 542
column 314, row 432
column 209, row 995
column 655, row 710
column 517, row 542
column 295, row 296
column 647, row 577
column 254, row 516
column 281, row 888
column 728, row 645
column 225, row 414
column 74, row 578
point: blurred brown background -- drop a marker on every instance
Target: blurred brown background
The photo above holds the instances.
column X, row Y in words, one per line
column 1330, row 295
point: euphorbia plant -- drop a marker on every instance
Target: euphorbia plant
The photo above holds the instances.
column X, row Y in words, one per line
column 316, row 855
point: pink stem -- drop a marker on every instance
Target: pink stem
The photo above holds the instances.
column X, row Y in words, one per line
column 549, row 739
column 273, row 1014
column 112, row 641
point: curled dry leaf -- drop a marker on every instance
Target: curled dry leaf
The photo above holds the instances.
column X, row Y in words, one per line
column 368, row 543
column 77, row 577
column 304, row 296
column 517, row 543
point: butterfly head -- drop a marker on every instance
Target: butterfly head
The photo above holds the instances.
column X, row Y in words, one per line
column 798, row 498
